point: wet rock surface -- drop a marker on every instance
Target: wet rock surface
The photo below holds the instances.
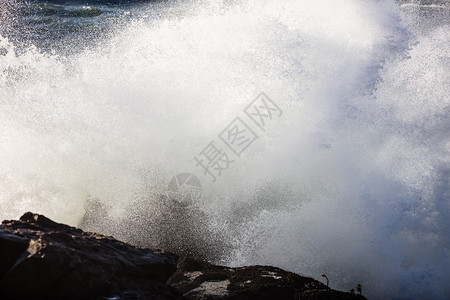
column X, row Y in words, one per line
column 42, row 259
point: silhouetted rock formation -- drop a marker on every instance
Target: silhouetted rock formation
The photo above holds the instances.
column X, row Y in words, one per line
column 200, row 280
column 42, row 259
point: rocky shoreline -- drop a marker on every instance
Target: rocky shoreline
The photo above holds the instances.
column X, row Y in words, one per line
column 42, row 259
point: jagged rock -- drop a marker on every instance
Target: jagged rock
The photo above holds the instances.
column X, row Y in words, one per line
column 200, row 280
column 41, row 259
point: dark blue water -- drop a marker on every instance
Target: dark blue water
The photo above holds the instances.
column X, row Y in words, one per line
column 67, row 26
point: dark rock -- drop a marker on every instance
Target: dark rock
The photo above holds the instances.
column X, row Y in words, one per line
column 201, row 280
column 41, row 259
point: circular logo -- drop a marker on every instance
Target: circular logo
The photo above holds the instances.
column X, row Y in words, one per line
column 184, row 188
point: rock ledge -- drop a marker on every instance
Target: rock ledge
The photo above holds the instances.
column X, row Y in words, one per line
column 42, row 259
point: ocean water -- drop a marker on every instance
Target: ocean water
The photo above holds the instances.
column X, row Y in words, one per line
column 103, row 102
